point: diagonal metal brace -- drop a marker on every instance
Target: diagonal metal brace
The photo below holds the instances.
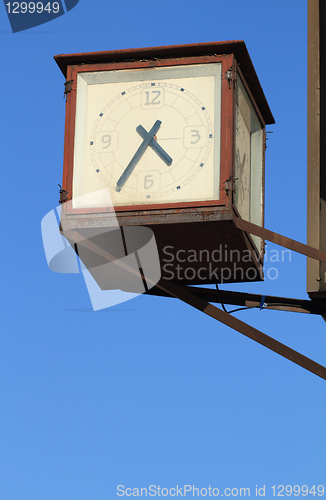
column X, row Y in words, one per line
column 283, row 241
column 199, row 303
column 214, row 312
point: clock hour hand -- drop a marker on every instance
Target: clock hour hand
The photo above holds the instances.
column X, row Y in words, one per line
column 137, row 156
column 155, row 146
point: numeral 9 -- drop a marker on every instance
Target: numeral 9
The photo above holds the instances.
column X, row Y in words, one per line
column 55, row 7
column 31, row 7
column 106, row 139
column 321, row 490
column 39, row 7
column 304, row 490
column 296, row 490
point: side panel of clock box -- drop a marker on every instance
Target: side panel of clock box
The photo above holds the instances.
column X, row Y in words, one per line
column 176, row 136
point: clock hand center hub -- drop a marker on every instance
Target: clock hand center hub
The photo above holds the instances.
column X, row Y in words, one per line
column 148, row 140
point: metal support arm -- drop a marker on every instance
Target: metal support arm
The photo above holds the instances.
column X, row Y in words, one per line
column 214, row 312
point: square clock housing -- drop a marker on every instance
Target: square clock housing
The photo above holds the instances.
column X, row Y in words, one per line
column 177, row 136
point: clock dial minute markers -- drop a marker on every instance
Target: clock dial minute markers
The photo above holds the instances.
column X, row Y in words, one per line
column 155, row 146
column 137, row 156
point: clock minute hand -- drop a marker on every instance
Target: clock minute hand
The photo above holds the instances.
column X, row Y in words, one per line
column 137, row 156
column 155, row 146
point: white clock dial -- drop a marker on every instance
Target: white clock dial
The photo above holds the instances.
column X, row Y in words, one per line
column 185, row 135
column 152, row 141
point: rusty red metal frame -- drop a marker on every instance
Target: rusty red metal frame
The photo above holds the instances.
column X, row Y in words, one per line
column 227, row 121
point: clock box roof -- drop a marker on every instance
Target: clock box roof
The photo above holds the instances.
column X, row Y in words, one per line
column 236, row 47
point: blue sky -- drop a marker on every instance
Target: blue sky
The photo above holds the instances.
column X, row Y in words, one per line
column 150, row 392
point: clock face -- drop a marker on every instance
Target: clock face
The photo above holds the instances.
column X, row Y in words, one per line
column 150, row 136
